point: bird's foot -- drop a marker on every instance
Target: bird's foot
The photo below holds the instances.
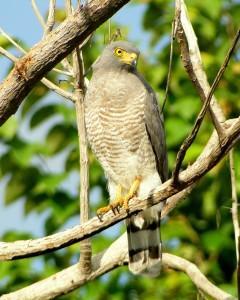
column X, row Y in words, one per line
column 102, row 211
column 119, row 200
column 114, row 206
column 132, row 192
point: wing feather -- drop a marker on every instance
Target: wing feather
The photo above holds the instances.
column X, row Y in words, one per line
column 155, row 128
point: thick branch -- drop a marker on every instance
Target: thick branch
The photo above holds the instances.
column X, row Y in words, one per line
column 47, row 53
column 52, row 86
column 211, row 155
column 116, row 255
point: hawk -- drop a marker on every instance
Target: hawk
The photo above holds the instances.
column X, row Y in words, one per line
column 126, row 132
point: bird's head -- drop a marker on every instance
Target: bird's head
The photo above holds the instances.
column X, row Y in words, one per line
column 120, row 54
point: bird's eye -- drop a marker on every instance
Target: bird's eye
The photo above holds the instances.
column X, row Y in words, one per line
column 118, row 51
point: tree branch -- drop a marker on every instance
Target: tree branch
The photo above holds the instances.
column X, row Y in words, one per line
column 192, row 61
column 190, row 138
column 47, row 53
column 195, row 275
column 211, row 155
column 38, row 14
column 116, row 255
column 52, row 86
column 235, row 218
column 51, row 17
column 78, row 67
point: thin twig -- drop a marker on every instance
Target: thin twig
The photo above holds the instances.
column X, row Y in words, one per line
column 64, row 62
column 235, row 217
column 22, row 50
column 169, row 66
column 12, row 41
column 38, row 14
column 68, row 5
column 52, row 86
column 8, row 54
column 189, row 140
column 78, row 67
column 51, row 17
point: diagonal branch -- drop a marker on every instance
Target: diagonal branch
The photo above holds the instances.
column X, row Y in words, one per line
column 48, row 52
column 211, row 155
column 169, row 75
column 22, row 50
column 192, row 61
column 38, row 14
column 52, row 86
column 115, row 256
column 190, row 138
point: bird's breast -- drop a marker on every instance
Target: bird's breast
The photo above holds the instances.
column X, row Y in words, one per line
column 115, row 124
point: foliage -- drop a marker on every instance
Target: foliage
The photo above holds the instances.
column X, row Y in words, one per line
column 199, row 230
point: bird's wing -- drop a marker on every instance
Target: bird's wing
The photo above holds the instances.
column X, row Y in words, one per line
column 156, row 133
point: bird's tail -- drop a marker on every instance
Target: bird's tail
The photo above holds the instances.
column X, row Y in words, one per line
column 144, row 244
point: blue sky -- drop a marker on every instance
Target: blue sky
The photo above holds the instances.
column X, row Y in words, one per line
column 18, row 20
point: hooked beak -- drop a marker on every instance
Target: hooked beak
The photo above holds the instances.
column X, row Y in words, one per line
column 130, row 59
column 133, row 58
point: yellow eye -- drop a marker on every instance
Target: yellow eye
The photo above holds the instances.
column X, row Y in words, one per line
column 118, row 51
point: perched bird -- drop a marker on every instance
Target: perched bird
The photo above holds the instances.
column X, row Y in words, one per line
column 126, row 133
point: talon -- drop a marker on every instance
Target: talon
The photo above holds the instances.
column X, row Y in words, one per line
column 101, row 211
column 119, row 200
column 115, row 206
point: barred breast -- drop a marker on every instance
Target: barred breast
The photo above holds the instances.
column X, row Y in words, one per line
column 114, row 112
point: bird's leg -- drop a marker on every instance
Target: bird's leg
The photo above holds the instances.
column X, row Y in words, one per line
column 117, row 202
column 132, row 192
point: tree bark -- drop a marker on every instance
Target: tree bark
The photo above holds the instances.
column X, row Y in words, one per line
column 51, row 50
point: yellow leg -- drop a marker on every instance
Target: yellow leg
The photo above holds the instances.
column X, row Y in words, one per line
column 132, row 191
column 118, row 202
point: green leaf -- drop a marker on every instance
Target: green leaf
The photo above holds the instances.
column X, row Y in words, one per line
column 20, row 184
column 9, row 128
column 215, row 241
column 176, row 131
column 41, row 115
column 4, row 42
column 72, row 161
column 36, row 95
column 186, row 108
column 49, row 183
column 60, row 136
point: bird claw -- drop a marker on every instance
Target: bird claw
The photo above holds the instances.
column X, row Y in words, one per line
column 114, row 207
column 119, row 200
column 102, row 211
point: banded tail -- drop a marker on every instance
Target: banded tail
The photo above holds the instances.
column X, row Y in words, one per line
column 144, row 245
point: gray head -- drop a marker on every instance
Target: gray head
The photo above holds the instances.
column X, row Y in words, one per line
column 120, row 54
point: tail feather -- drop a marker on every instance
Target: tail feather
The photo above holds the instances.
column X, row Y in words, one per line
column 144, row 244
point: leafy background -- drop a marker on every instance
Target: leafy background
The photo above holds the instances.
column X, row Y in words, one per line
column 39, row 162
